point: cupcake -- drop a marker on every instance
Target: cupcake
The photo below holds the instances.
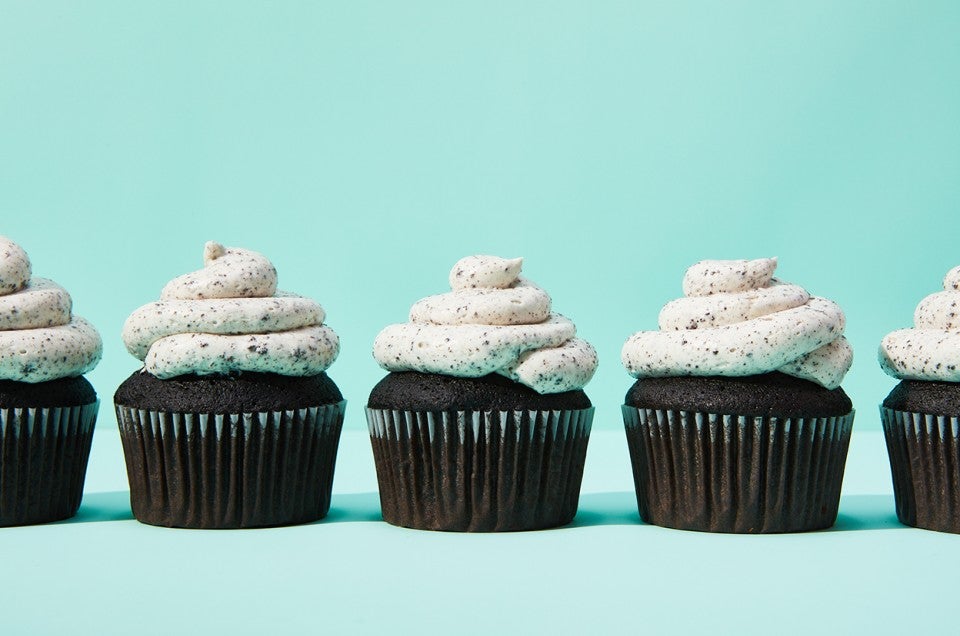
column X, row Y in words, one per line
column 482, row 423
column 737, row 422
column 232, row 422
column 47, row 408
column 921, row 415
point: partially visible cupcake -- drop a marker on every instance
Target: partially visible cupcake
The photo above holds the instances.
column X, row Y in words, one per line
column 232, row 422
column 482, row 423
column 47, row 408
column 737, row 422
column 921, row 415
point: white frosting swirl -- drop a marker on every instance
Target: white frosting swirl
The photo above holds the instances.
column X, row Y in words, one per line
column 39, row 338
column 494, row 321
column 737, row 320
column 228, row 272
column 931, row 350
column 14, row 267
column 229, row 317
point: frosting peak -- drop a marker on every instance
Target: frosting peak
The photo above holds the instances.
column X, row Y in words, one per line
column 228, row 272
column 931, row 350
column 719, row 277
column 952, row 279
column 229, row 317
column 485, row 271
column 487, row 290
column 14, row 267
column 40, row 339
column 494, row 321
column 737, row 320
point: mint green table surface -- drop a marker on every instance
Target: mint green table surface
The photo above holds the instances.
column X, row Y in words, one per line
column 105, row 573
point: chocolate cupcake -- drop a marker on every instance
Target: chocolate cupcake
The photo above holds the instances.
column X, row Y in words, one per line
column 47, row 408
column 232, row 422
column 921, row 415
column 482, row 423
column 737, row 422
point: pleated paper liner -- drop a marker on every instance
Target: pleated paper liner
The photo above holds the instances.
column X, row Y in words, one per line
column 924, row 452
column 43, row 462
column 475, row 471
column 240, row 470
column 730, row 473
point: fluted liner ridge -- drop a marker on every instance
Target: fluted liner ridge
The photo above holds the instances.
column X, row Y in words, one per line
column 479, row 471
column 239, row 470
column 739, row 474
column 43, row 462
column 924, row 452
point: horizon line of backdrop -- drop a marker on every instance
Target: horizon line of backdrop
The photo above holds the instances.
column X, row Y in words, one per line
column 365, row 147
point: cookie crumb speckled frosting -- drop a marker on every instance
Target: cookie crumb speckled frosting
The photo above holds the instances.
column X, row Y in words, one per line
column 229, row 317
column 931, row 350
column 736, row 319
column 493, row 321
column 40, row 339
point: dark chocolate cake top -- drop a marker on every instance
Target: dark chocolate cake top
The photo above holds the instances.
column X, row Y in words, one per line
column 240, row 393
column 769, row 394
column 61, row 392
column 413, row 391
column 918, row 396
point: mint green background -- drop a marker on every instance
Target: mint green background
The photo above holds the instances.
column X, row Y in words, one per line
column 366, row 146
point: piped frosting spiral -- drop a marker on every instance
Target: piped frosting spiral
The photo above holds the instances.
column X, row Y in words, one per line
column 736, row 319
column 40, row 339
column 493, row 321
column 229, row 317
column 931, row 350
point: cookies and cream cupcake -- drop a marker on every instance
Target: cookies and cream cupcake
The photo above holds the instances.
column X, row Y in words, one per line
column 482, row 423
column 232, row 422
column 921, row 415
column 47, row 408
column 737, row 422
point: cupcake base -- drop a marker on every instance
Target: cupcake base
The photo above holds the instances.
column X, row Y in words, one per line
column 479, row 471
column 239, row 470
column 738, row 474
column 924, row 451
column 43, row 462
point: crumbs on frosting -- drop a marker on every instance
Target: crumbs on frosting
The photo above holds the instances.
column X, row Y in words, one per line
column 227, row 273
column 931, row 350
column 229, row 317
column 494, row 321
column 40, row 339
column 737, row 320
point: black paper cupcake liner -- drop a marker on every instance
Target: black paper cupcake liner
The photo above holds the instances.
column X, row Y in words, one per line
column 43, row 462
column 240, row 470
column 924, row 452
column 475, row 471
column 734, row 473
